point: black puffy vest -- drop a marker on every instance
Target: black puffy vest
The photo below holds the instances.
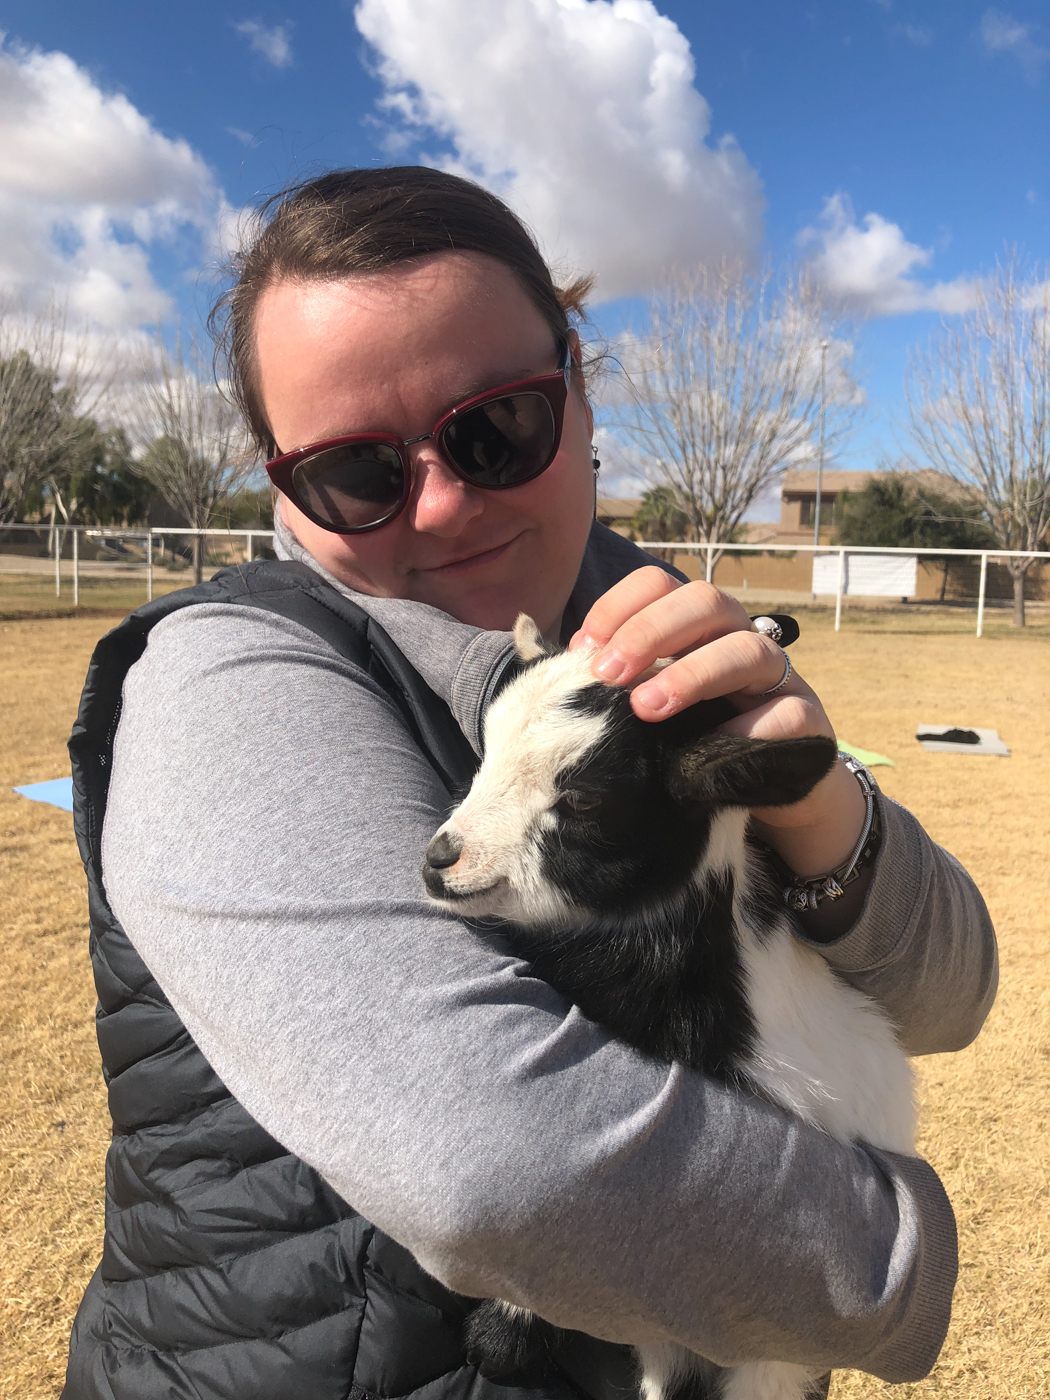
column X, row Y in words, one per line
column 230, row 1269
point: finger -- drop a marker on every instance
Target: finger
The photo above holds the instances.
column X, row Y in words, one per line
column 691, row 616
column 694, row 615
column 623, row 600
column 784, row 716
column 738, row 663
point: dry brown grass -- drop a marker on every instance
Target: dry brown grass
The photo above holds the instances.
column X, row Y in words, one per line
column 985, row 1110
column 985, row 1121
column 28, row 596
column 53, row 1120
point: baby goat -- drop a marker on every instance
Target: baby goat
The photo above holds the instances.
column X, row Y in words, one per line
column 617, row 852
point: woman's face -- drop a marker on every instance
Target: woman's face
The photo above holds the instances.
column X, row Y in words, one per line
column 392, row 352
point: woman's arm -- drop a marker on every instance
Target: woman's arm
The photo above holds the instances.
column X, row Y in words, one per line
column 267, row 819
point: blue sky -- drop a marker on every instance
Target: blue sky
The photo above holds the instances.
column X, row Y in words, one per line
column 930, row 116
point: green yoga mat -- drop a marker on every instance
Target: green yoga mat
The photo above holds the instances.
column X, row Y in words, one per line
column 865, row 756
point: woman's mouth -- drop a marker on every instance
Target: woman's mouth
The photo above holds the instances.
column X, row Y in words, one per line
column 475, row 559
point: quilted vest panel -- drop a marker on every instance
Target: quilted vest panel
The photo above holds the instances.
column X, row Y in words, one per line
column 230, row 1269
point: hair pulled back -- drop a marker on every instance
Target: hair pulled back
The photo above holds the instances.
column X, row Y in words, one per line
column 350, row 223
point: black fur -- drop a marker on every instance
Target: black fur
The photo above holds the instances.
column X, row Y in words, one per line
column 640, row 844
column 655, row 959
column 653, row 982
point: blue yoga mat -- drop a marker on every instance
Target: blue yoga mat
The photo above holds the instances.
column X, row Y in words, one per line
column 58, row 793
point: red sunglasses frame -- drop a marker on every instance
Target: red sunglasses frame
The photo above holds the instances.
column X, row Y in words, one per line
column 553, row 387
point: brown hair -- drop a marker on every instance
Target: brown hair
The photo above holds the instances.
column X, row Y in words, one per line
column 355, row 222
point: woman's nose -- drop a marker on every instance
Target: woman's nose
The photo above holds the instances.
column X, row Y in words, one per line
column 442, row 503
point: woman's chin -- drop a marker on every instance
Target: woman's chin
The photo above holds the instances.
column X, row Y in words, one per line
column 495, row 609
column 492, row 593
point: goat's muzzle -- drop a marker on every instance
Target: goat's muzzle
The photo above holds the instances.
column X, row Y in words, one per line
column 444, row 850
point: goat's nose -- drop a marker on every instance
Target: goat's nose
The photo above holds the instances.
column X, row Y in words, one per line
column 444, row 850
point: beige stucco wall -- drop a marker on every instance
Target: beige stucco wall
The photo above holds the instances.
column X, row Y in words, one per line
column 794, row 574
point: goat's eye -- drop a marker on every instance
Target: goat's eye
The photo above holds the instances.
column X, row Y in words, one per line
column 579, row 802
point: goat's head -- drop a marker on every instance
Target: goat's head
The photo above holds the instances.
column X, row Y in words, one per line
column 581, row 806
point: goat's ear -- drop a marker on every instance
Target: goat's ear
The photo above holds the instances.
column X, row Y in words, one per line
column 528, row 641
column 728, row 770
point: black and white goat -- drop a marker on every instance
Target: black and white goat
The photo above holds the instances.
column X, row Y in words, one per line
column 617, row 851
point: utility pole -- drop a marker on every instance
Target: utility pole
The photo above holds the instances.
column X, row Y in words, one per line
column 820, row 459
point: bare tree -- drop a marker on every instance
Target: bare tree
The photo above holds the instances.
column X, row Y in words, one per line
column 196, row 451
column 53, row 378
column 979, row 399
column 724, row 391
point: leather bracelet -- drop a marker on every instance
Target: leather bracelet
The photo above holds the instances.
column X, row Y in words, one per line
column 802, row 895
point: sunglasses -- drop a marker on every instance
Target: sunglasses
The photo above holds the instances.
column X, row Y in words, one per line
column 495, row 440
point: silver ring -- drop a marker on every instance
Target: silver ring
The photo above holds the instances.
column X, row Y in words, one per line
column 768, row 627
column 783, row 680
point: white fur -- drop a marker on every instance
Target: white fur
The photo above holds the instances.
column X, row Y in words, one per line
column 824, row 1051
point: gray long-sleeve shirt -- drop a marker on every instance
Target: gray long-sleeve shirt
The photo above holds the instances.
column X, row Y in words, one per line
column 459, row 1103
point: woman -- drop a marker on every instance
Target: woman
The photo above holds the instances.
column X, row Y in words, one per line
column 310, row 1033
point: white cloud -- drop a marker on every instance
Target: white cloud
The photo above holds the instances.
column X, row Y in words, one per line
column 582, row 114
column 271, row 43
column 87, row 187
column 918, row 34
column 869, row 266
column 1001, row 33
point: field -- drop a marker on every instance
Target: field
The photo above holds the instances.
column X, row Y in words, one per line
column 986, row 1127
column 26, row 596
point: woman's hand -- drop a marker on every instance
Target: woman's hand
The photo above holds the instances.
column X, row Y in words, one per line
column 649, row 615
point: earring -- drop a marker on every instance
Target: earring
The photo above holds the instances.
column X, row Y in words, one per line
column 595, row 461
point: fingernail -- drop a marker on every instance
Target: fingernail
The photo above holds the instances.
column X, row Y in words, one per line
column 583, row 641
column 652, row 697
column 611, row 668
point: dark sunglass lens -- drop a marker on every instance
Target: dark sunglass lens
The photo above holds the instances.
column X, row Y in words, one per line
column 502, row 442
column 352, row 486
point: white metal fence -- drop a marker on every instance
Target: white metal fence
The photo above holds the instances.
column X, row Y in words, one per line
column 62, row 545
column 153, row 543
column 712, row 552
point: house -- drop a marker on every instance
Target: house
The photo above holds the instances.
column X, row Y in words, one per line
column 617, row 512
column 798, row 503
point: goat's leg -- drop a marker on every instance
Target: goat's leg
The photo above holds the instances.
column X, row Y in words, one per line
column 502, row 1338
column 770, row 1380
column 671, row 1372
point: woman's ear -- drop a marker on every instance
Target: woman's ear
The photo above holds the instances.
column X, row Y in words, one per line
column 528, row 640
column 729, row 770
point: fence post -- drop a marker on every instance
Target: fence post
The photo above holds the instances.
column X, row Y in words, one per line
column 76, row 568
column 251, row 538
column 980, row 594
column 838, row 589
column 149, row 566
column 709, row 573
column 58, row 562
